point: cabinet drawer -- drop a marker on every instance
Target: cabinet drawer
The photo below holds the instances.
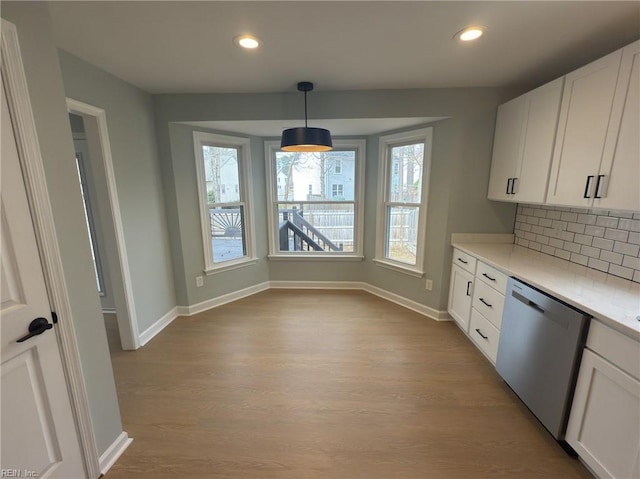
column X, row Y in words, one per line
column 484, row 334
column 615, row 347
column 488, row 302
column 492, row 277
column 464, row 260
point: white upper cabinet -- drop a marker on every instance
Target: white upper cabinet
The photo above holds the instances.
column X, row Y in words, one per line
column 523, row 145
column 620, row 169
column 596, row 161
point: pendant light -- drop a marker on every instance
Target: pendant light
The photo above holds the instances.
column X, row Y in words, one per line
column 305, row 138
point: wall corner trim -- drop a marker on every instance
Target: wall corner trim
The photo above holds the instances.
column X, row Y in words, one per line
column 149, row 333
column 114, row 451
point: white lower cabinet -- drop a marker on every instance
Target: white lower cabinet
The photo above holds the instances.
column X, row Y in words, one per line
column 604, row 425
column 460, row 291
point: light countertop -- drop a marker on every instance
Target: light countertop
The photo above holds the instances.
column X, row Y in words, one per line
column 612, row 300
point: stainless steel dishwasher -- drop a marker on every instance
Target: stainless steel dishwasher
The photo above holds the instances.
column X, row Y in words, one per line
column 541, row 343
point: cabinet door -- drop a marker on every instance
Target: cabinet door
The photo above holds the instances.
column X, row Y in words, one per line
column 460, row 293
column 620, row 170
column 507, row 148
column 604, row 426
column 585, row 112
column 543, row 106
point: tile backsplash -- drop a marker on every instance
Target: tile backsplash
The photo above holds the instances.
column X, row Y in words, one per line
column 607, row 241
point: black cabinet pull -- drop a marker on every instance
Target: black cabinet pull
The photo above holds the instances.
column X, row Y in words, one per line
column 488, row 277
column 597, row 195
column 508, row 186
column 468, row 286
column 463, row 261
column 485, row 303
column 513, row 185
column 481, row 335
column 588, row 186
column 36, row 327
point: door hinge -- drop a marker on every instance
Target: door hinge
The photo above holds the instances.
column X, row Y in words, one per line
column 54, row 317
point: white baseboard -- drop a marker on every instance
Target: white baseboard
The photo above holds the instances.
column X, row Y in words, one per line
column 149, row 333
column 114, row 451
column 316, row 285
column 407, row 303
column 224, row 299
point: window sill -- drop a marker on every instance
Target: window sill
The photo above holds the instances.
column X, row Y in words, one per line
column 401, row 269
column 230, row 266
column 314, row 257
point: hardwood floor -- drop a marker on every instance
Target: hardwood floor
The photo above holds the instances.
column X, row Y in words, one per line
column 323, row 384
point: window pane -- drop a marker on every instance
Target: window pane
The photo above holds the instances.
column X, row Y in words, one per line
column 316, row 227
column 406, row 173
column 402, row 234
column 221, row 174
column 227, row 233
column 312, row 176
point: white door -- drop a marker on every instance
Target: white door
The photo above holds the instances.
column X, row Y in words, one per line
column 38, row 436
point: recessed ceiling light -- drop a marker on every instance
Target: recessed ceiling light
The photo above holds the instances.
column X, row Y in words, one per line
column 247, row 41
column 469, row 34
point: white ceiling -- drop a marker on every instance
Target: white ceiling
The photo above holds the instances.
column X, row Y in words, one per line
column 186, row 47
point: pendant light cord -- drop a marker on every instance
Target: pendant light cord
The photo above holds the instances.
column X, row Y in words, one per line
column 305, row 109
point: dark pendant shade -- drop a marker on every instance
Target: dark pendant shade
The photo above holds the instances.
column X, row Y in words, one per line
column 305, row 138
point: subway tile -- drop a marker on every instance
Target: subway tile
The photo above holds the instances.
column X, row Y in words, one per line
column 636, row 276
column 562, row 225
column 532, row 220
column 527, row 211
column 621, row 214
column 596, row 211
column 629, row 225
column 535, row 246
column 525, row 227
column 579, row 210
column 542, row 239
column 573, row 247
column 537, row 229
column 530, row 236
column 634, row 238
column 519, row 210
column 580, row 259
column 594, row 231
column 598, row 264
column 548, row 249
column 569, row 217
column 631, row 262
column 611, row 257
column 519, row 233
column 621, row 271
column 606, row 244
column 636, row 216
column 575, row 228
column 540, row 213
column 522, row 242
column 563, row 208
column 550, row 232
column 521, row 218
column 607, row 221
column 617, row 235
column 590, row 251
column 586, row 219
column 560, row 253
column 546, row 222
column 556, row 243
column 566, row 236
column 554, row 215
column 583, row 239
column 516, row 226
column 626, row 248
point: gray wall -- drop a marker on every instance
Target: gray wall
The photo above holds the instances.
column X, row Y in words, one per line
column 130, row 120
column 54, row 135
column 461, row 160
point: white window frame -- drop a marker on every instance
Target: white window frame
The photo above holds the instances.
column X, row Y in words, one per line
column 337, row 167
column 270, row 148
column 384, row 176
column 201, row 139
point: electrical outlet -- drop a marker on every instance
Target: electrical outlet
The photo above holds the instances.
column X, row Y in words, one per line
column 199, row 282
column 428, row 284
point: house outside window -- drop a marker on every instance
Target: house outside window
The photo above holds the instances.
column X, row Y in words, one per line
column 337, row 167
column 223, row 170
column 318, row 213
column 405, row 160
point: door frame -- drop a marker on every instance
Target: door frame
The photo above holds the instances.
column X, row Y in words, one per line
column 19, row 103
column 127, row 320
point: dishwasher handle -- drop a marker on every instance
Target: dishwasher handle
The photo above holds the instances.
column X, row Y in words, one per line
column 527, row 301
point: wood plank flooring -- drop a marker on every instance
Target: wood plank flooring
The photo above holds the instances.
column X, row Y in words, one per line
column 323, row 384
